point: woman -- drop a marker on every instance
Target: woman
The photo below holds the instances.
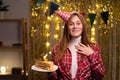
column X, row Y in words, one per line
column 76, row 57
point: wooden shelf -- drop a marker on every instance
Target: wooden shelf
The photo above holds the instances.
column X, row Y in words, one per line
column 14, row 31
column 10, row 48
column 5, row 73
column 9, row 73
column 10, row 20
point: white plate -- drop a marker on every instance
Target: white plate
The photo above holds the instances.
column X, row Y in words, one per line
column 43, row 70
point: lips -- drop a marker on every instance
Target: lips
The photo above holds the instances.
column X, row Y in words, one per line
column 75, row 30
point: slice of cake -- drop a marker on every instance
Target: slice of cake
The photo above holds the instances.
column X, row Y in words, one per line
column 47, row 65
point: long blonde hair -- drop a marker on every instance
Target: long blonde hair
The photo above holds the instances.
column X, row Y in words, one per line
column 62, row 45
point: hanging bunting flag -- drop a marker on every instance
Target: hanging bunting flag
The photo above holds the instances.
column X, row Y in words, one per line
column 53, row 7
column 39, row 2
column 92, row 18
column 105, row 16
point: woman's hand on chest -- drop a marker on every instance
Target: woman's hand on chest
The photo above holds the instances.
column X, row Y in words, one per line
column 85, row 50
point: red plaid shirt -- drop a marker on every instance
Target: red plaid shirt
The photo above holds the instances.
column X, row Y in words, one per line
column 89, row 67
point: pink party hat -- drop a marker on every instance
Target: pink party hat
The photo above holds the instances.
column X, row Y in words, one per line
column 64, row 15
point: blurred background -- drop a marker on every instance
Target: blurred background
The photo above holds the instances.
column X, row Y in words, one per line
column 41, row 29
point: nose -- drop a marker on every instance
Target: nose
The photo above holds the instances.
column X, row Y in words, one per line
column 74, row 26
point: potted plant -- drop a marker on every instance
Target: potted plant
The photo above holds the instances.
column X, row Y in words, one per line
column 3, row 8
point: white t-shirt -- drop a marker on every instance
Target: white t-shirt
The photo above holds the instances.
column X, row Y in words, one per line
column 74, row 65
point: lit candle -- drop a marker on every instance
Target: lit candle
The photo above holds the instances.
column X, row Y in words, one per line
column 45, row 57
column 3, row 69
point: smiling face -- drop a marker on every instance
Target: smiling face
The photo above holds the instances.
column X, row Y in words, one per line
column 75, row 26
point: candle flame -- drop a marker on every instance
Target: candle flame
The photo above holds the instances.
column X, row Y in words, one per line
column 45, row 57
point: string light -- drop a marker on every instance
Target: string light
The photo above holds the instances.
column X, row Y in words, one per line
column 56, row 36
column 93, row 34
column 47, row 26
column 47, row 44
column 47, row 34
column 33, row 30
column 49, row 18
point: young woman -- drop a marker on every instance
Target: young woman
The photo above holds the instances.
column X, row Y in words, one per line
column 76, row 57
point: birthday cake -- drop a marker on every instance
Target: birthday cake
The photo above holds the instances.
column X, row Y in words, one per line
column 46, row 65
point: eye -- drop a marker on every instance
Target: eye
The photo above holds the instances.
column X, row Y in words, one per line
column 78, row 23
column 70, row 24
